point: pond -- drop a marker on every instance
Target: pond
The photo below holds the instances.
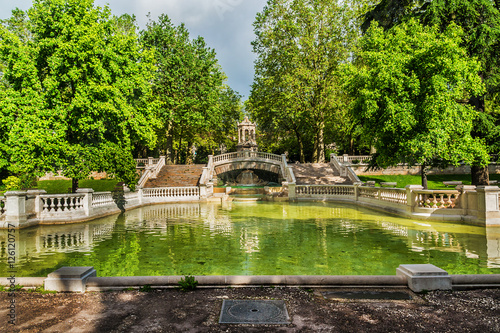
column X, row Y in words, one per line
column 257, row 238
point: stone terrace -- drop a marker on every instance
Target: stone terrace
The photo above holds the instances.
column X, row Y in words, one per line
column 177, row 176
column 317, row 174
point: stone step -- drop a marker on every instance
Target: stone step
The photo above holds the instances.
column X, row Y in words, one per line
column 177, row 176
column 317, row 174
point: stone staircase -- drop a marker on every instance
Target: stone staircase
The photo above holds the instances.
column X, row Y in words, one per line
column 317, row 174
column 177, row 176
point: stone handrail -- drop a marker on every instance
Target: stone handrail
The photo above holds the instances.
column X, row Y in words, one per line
column 207, row 174
column 150, row 161
column 151, row 170
column 220, row 159
column 188, row 192
column 102, row 199
column 438, row 199
column 62, row 203
column 324, row 190
column 395, row 195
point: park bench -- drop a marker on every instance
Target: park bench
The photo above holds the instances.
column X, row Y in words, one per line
column 452, row 183
column 389, row 184
column 493, row 182
column 370, row 183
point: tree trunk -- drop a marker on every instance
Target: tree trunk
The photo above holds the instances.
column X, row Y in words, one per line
column 302, row 157
column 74, row 185
column 479, row 175
column 169, row 149
column 189, row 153
column 319, row 145
column 423, row 174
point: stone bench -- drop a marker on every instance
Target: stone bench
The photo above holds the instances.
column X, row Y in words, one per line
column 389, row 184
column 493, row 182
column 452, row 183
column 370, row 183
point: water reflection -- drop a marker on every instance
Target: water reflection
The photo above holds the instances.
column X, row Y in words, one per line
column 255, row 238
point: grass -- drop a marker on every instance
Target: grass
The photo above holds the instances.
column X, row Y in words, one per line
column 434, row 181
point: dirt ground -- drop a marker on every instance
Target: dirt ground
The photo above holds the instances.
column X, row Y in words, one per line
column 171, row 310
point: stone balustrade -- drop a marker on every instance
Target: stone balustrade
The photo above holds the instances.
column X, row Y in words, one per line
column 102, row 199
column 323, row 190
column 61, row 203
column 3, row 208
column 438, row 199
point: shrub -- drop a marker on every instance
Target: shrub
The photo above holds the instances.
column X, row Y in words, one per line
column 12, row 183
column 188, row 283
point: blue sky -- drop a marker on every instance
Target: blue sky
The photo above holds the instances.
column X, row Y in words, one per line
column 226, row 26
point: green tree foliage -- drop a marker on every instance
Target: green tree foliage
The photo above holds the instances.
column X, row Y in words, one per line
column 195, row 104
column 411, row 88
column 296, row 91
column 480, row 21
column 77, row 93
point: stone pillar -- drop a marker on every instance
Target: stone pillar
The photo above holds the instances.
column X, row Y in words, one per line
column 139, row 194
column 15, row 206
column 412, row 197
column 87, row 200
column 38, row 204
column 356, row 190
column 150, row 161
column 488, row 205
column 291, row 190
column 465, row 198
column 203, row 191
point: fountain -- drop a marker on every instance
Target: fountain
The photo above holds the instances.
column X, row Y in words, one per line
column 249, row 178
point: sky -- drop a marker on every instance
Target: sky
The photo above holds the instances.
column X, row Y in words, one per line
column 226, row 26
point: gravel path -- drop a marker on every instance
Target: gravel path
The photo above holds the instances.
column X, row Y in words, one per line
column 198, row 311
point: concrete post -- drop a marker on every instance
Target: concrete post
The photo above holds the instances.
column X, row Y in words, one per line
column 488, row 205
column 38, row 207
column 465, row 198
column 87, row 200
column 412, row 197
column 356, row 190
column 203, row 191
column 291, row 190
column 15, row 206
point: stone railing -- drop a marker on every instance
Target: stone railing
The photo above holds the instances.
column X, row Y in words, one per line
column 152, row 169
column 3, row 208
column 323, row 190
column 168, row 194
column 62, row 203
column 102, row 199
column 344, row 169
column 146, row 162
column 438, row 199
column 479, row 205
column 219, row 159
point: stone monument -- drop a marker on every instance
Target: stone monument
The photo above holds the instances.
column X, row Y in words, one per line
column 246, row 136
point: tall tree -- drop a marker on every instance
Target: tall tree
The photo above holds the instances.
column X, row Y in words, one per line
column 410, row 88
column 480, row 20
column 300, row 45
column 189, row 85
column 78, row 94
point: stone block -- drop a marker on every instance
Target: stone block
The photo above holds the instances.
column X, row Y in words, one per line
column 72, row 279
column 425, row 277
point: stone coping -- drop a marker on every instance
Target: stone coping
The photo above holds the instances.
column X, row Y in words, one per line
column 222, row 281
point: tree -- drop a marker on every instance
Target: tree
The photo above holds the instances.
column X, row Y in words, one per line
column 77, row 91
column 300, row 45
column 189, row 86
column 410, row 90
column 480, row 21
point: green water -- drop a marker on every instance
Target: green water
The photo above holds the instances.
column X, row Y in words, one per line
column 257, row 238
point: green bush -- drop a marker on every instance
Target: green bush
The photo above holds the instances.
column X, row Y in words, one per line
column 188, row 283
column 12, row 183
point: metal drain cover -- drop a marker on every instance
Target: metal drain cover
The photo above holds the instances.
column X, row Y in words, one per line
column 254, row 312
